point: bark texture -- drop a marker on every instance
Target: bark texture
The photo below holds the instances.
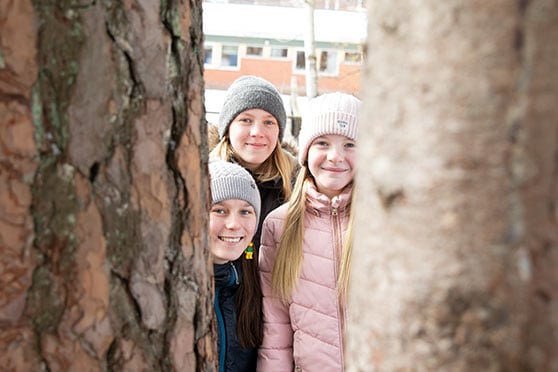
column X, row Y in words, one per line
column 456, row 227
column 103, row 188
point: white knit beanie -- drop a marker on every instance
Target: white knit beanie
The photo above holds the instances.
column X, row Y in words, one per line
column 252, row 92
column 231, row 181
column 330, row 113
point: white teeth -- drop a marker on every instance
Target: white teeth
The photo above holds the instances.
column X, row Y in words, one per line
column 230, row 240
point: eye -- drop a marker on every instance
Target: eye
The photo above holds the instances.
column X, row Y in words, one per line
column 321, row 143
column 270, row 122
column 218, row 210
column 350, row 145
column 247, row 211
column 245, row 120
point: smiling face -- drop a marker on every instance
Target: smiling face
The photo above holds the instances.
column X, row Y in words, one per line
column 331, row 160
column 253, row 135
column 232, row 225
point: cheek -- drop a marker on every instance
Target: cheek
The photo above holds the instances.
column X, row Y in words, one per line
column 236, row 132
column 214, row 226
column 235, row 140
column 313, row 158
column 351, row 158
column 250, row 227
column 273, row 134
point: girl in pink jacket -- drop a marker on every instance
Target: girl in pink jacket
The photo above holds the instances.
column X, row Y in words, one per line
column 306, row 245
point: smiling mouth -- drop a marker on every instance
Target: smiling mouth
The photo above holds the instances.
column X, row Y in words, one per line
column 231, row 239
column 335, row 170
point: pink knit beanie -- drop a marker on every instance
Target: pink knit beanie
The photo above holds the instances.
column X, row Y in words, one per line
column 330, row 113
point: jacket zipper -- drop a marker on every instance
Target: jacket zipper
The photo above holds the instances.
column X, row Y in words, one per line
column 221, row 321
column 236, row 281
column 336, row 238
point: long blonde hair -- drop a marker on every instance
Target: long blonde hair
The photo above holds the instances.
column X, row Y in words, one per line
column 288, row 261
column 278, row 164
column 345, row 265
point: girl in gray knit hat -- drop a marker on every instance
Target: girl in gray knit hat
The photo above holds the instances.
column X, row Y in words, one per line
column 233, row 218
column 251, row 127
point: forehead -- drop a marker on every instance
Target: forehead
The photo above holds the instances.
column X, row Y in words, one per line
column 332, row 137
column 256, row 112
column 233, row 203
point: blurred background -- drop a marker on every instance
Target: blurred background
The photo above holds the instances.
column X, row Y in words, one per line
column 272, row 39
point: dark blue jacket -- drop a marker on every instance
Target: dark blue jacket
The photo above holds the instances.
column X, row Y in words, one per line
column 232, row 357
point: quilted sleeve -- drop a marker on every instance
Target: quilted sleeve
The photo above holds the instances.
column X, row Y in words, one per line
column 275, row 353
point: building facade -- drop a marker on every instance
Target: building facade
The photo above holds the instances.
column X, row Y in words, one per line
column 269, row 41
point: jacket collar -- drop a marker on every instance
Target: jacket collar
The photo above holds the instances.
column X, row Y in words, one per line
column 225, row 275
column 317, row 202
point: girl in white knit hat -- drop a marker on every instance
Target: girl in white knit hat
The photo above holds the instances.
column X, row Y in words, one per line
column 306, row 244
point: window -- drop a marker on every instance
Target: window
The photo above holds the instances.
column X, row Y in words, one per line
column 353, row 57
column 328, row 62
column 254, row 51
column 208, row 54
column 229, row 56
column 278, row 52
column 300, row 60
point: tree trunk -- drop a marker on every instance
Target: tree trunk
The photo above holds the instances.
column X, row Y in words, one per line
column 104, row 193
column 310, row 51
column 456, row 225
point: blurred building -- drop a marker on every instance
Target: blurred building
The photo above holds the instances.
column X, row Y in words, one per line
column 247, row 38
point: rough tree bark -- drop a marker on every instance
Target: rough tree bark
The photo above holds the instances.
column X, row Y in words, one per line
column 103, row 191
column 456, row 228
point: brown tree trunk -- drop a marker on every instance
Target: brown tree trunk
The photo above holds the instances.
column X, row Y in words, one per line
column 454, row 267
column 103, row 192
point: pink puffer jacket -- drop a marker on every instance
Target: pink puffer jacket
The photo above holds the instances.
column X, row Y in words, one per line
column 306, row 334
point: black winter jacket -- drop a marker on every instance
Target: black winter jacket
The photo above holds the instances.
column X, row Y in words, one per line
column 232, row 357
column 271, row 194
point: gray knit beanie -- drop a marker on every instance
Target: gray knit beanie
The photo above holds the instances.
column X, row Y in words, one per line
column 231, row 181
column 330, row 113
column 251, row 92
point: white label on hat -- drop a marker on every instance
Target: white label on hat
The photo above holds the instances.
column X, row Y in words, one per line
column 342, row 123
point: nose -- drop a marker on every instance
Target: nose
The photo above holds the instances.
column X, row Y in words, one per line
column 232, row 222
column 256, row 128
column 335, row 154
